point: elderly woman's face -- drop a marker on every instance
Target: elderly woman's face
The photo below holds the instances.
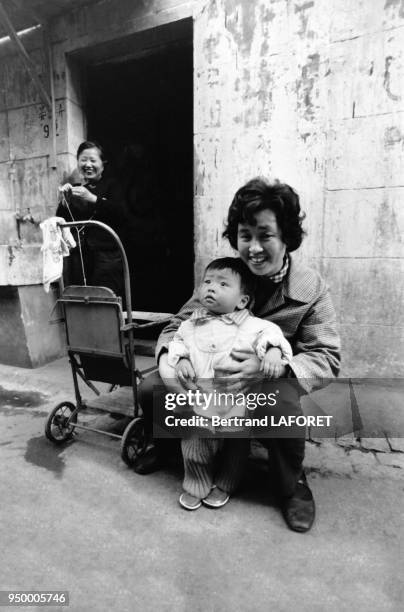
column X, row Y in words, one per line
column 261, row 246
column 90, row 164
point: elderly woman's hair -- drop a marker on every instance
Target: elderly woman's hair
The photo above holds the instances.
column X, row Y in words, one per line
column 259, row 194
column 90, row 144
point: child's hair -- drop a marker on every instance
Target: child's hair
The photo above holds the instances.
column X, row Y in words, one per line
column 237, row 266
column 90, row 144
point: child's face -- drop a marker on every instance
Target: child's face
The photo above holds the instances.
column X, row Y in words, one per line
column 221, row 292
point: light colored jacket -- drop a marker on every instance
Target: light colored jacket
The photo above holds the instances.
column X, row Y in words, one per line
column 207, row 340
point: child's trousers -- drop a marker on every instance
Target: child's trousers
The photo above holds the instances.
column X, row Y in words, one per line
column 213, row 461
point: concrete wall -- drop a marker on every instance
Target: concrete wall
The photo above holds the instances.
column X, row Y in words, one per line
column 310, row 92
column 26, row 337
column 28, row 189
column 26, row 177
column 313, row 93
column 27, row 182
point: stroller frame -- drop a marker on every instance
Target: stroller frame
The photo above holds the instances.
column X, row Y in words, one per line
column 100, row 347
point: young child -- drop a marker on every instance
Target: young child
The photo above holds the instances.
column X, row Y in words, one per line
column 202, row 344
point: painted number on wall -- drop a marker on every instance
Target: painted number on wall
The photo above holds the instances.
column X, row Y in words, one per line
column 45, row 116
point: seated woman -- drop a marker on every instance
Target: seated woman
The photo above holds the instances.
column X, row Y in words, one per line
column 264, row 225
column 96, row 198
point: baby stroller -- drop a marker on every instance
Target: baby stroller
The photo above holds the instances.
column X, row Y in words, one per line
column 100, row 346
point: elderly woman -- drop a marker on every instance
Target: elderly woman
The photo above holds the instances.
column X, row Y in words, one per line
column 265, row 226
column 97, row 198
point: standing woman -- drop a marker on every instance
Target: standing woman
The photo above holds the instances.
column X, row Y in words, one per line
column 264, row 225
column 96, row 198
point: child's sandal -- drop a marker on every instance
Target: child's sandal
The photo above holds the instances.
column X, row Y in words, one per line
column 216, row 498
column 189, row 502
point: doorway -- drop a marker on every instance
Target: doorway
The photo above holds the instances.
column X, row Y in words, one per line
column 139, row 106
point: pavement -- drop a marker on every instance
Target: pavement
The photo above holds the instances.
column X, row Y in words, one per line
column 76, row 518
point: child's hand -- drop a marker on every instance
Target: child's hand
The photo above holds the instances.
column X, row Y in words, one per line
column 185, row 372
column 272, row 363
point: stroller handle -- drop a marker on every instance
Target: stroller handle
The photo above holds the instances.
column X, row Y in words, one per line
column 115, row 236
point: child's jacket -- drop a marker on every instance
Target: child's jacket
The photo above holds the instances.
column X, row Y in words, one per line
column 207, row 340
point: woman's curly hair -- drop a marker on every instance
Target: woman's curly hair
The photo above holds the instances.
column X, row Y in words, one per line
column 259, row 194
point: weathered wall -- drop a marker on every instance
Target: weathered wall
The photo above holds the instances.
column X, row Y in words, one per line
column 307, row 91
column 26, row 178
column 312, row 92
column 26, row 338
column 28, row 184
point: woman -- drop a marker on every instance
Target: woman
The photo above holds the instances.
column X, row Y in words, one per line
column 265, row 226
column 96, row 198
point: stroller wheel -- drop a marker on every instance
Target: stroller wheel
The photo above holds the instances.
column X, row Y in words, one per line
column 58, row 427
column 133, row 442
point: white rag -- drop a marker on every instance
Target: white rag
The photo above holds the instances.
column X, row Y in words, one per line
column 56, row 244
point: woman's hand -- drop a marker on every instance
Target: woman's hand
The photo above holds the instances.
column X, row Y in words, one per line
column 235, row 375
column 64, row 191
column 83, row 194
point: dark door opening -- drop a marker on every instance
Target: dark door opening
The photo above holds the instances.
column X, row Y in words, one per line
column 141, row 110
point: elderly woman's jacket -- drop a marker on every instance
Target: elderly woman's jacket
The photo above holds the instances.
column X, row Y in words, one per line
column 109, row 208
column 302, row 307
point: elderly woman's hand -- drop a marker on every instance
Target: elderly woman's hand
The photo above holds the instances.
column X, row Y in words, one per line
column 84, row 194
column 238, row 374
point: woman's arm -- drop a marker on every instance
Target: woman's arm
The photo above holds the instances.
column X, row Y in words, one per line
column 317, row 346
column 110, row 206
column 105, row 202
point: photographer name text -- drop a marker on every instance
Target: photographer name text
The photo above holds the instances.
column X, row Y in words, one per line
column 265, row 421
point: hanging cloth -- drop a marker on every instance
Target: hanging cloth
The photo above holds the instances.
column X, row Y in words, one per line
column 56, row 244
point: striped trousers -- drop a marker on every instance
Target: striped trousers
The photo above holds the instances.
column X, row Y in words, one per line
column 213, row 461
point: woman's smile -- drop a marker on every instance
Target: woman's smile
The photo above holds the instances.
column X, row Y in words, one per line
column 257, row 260
column 90, row 164
column 260, row 245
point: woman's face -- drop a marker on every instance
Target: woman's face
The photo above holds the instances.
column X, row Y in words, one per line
column 260, row 246
column 90, row 164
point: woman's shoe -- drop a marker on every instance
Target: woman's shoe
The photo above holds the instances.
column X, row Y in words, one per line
column 216, row 498
column 148, row 462
column 189, row 502
column 299, row 510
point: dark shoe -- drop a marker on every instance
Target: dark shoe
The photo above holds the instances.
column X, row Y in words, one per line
column 148, row 462
column 299, row 509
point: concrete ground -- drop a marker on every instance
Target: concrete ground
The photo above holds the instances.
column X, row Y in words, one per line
column 76, row 518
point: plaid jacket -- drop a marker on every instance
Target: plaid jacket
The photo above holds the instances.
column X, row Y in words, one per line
column 302, row 307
